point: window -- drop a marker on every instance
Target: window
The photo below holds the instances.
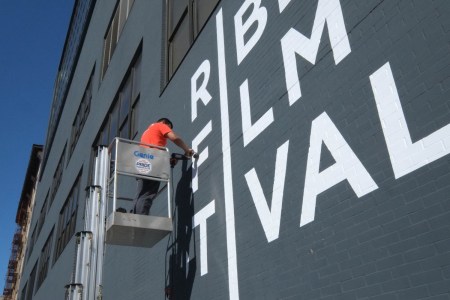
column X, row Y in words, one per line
column 82, row 114
column 123, row 117
column 184, row 21
column 115, row 28
column 32, row 240
column 44, row 261
column 23, row 294
column 67, row 219
column 75, row 36
column 42, row 215
column 31, row 280
column 58, row 176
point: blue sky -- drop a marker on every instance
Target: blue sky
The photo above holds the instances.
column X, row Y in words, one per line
column 32, row 35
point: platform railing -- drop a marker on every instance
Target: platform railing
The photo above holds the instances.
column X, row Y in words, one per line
column 141, row 161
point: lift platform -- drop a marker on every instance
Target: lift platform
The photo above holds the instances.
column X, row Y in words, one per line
column 147, row 162
column 136, row 230
column 104, row 225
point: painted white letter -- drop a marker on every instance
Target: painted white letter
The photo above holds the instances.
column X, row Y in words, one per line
column 200, row 93
column 347, row 167
column 252, row 131
column 405, row 155
column 258, row 15
column 282, row 4
column 200, row 219
column 202, row 155
column 233, row 281
column 294, row 42
column 270, row 218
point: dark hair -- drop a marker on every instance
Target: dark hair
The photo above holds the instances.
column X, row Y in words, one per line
column 166, row 121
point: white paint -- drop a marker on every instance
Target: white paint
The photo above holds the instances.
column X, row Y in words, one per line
column 270, row 218
column 347, row 167
column 233, row 283
column 258, row 17
column 329, row 12
column 282, row 4
column 200, row 93
column 251, row 131
column 203, row 155
column 199, row 219
column 405, row 155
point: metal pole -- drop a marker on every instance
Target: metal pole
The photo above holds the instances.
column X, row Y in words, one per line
column 105, row 157
column 116, row 141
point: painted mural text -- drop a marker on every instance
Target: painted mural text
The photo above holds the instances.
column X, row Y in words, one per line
column 405, row 156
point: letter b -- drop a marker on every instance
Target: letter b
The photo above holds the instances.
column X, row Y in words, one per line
column 259, row 15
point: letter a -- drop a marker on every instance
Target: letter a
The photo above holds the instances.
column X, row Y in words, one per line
column 347, row 167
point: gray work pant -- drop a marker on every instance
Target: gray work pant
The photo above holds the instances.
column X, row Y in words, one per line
column 146, row 192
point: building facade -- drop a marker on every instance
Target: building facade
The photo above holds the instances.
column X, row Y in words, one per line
column 323, row 129
column 23, row 220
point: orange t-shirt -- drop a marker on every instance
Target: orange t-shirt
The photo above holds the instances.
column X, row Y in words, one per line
column 156, row 134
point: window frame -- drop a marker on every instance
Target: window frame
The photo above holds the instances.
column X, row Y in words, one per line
column 190, row 14
column 67, row 219
column 114, row 31
column 57, row 177
column 44, row 261
column 82, row 114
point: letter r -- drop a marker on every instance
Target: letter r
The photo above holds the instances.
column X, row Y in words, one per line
column 200, row 93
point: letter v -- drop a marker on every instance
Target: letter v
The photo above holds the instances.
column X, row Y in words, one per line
column 270, row 218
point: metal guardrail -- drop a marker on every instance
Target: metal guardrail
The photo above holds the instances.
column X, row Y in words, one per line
column 139, row 160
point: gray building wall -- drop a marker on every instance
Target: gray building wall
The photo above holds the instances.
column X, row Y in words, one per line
column 386, row 241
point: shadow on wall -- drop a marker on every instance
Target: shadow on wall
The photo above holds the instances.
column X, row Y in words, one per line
column 181, row 264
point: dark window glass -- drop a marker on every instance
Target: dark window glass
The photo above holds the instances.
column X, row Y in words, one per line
column 134, row 120
column 57, row 176
column 125, row 101
column 114, row 30
column 113, row 125
column 42, row 215
column 120, row 14
column 75, row 37
column 125, row 129
column 105, row 137
column 137, row 78
column 23, row 294
column 82, row 114
column 122, row 119
column 178, row 9
column 67, row 219
column 44, row 261
column 106, row 52
column 204, row 9
column 32, row 241
column 179, row 45
column 31, row 282
column 185, row 19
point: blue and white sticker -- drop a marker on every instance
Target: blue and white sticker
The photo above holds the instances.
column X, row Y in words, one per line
column 143, row 166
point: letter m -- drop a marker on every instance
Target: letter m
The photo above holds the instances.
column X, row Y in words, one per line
column 329, row 12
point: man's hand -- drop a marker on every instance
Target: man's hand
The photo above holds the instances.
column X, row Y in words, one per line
column 173, row 162
column 189, row 152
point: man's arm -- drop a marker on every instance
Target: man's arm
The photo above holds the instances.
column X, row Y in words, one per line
column 180, row 143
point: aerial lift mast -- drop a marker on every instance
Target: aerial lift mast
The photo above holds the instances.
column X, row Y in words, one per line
column 104, row 225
